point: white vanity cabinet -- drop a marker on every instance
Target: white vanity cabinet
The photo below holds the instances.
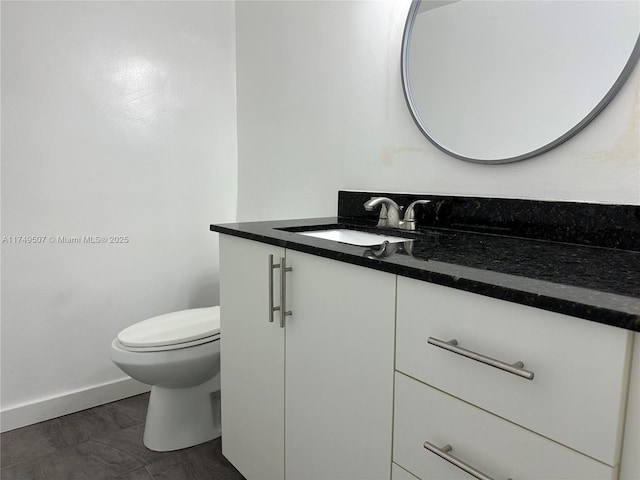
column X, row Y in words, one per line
column 312, row 400
column 506, row 424
column 365, row 366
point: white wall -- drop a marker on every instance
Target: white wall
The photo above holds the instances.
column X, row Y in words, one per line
column 320, row 108
column 118, row 118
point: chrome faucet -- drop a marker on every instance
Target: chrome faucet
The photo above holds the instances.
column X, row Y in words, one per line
column 390, row 213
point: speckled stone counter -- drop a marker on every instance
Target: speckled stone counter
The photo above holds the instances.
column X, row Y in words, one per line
column 593, row 278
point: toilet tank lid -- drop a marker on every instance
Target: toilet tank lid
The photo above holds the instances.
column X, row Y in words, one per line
column 172, row 328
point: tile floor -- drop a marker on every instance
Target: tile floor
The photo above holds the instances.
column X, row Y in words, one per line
column 104, row 443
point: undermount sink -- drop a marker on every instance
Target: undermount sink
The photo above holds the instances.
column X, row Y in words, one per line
column 353, row 237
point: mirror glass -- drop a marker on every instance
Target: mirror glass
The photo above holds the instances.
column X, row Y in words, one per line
column 500, row 81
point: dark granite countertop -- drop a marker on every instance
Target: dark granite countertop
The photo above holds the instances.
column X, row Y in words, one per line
column 595, row 283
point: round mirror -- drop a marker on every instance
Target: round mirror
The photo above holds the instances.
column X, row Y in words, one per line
column 500, row 81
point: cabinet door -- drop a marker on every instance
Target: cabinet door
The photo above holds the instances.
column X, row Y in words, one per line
column 339, row 370
column 252, row 361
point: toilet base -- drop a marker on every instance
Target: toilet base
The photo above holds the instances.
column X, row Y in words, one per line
column 182, row 417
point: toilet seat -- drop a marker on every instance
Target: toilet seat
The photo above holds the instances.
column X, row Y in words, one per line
column 163, row 348
column 171, row 331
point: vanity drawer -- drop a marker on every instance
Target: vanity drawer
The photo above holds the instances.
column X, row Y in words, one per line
column 576, row 396
column 487, row 443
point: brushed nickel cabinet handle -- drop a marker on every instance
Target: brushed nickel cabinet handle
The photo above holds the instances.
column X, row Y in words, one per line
column 271, row 268
column 283, row 290
column 465, row 467
column 516, row 368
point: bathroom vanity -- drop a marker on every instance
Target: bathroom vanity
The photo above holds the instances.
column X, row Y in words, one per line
column 468, row 343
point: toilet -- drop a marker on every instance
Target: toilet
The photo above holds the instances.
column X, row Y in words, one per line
column 178, row 354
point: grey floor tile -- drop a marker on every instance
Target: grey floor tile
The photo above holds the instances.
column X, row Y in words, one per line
column 29, row 470
column 22, row 444
column 17, row 446
column 137, row 403
column 202, row 462
column 139, row 474
column 105, row 443
column 89, row 460
column 171, row 469
column 129, row 442
column 129, row 411
column 81, row 426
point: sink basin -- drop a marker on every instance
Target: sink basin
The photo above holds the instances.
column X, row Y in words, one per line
column 353, row 237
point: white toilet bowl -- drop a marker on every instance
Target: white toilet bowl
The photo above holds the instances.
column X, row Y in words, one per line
column 178, row 354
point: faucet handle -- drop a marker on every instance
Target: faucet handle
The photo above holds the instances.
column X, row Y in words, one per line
column 410, row 214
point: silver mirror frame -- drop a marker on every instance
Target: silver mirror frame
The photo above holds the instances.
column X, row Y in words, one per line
column 406, row 88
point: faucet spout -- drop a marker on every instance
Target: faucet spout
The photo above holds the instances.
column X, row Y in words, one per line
column 389, row 211
column 375, row 201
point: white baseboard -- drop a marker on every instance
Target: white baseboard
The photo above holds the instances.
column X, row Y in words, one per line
column 70, row 402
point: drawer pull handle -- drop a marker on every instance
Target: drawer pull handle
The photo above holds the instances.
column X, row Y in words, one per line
column 452, row 346
column 445, row 455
